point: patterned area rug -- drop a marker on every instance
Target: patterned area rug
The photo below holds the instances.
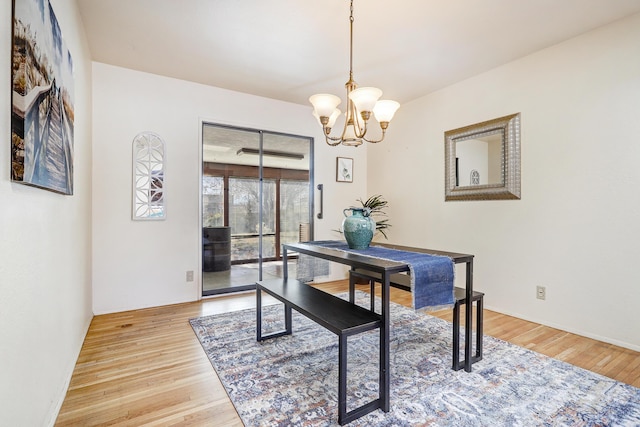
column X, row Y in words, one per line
column 293, row 380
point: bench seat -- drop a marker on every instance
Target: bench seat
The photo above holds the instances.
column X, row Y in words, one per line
column 333, row 313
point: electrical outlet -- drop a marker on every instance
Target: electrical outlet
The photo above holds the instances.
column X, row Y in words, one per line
column 190, row 276
column 541, row 292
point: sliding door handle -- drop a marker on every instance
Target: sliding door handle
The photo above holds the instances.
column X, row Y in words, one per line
column 321, row 188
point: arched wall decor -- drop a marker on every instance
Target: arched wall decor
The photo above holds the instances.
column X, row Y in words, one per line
column 475, row 177
column 148, row 177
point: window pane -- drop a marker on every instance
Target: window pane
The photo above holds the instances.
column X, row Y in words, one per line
column 244, row 217
column 212, row 201
column 269, row 218
column 294, row 209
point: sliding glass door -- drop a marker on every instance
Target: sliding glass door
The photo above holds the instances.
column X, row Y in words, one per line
column 257, row 191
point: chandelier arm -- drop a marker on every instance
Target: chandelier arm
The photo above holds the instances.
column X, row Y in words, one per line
column 375, row 141
column 360, row 131
column 327, row 139
column 359, row 124
column 338, row 139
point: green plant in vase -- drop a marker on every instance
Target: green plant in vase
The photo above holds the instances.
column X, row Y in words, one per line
column 376, row 205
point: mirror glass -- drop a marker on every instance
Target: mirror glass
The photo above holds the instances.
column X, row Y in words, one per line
column 148, row 177
column 482, row 161
column 478, row 159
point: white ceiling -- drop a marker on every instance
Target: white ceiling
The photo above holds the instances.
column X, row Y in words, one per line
column 291, row 49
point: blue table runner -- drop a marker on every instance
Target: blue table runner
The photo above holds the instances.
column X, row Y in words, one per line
column 432, row 276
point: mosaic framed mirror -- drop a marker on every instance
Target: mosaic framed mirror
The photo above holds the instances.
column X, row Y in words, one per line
column 148, row 177
column 482, row 161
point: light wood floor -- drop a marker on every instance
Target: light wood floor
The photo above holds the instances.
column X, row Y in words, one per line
column 146, row 367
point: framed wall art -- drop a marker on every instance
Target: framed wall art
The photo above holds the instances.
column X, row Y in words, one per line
column 42, row 99
column 344, row 169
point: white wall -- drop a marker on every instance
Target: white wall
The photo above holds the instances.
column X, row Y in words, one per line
column 142, row 264
column 576, row 229
column 45, row 253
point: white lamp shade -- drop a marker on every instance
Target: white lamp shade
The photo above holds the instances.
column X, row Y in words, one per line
column 324, row 104
column 334, row 116
column 384, row 110
column 317, row 117
column 365, row 98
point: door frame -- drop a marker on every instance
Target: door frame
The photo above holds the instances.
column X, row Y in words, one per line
column 261, row 132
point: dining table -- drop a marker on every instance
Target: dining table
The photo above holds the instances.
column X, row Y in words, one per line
column 386, row 270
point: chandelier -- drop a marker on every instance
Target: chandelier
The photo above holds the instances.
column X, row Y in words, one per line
column 361, row 102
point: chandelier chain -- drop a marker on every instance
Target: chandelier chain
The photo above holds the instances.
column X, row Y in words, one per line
column 351, row 42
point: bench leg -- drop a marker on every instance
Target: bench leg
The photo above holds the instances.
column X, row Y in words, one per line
column 345, row 417
column 259, row 314
column 342, row 379
column 288, row 329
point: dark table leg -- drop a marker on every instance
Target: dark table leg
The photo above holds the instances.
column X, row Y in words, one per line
column 385, row 373
column 352, row 286
column 468, row 318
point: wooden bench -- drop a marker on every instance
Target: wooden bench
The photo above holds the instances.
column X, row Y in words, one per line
column 403, row 281
column 335, row 314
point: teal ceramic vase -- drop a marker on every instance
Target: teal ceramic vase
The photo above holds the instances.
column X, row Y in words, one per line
column 358, row 228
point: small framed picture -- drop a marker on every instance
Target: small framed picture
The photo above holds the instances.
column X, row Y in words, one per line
column 344, row 169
